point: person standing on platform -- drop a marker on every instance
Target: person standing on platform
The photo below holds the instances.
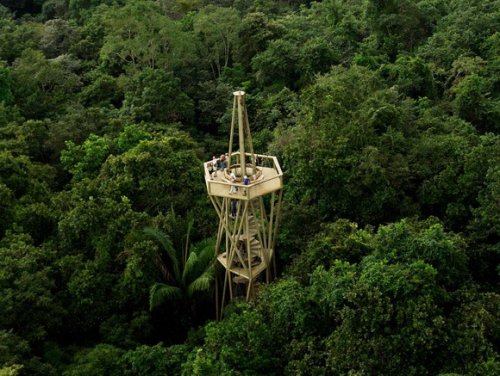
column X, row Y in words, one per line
column 222, row 162
column 233, row 188
column 234, row 208
column 246, row 181
column 213, row 168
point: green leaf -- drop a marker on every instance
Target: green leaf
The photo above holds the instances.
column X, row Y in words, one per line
column 161, row 292
column 167, row 246
column 202, row 283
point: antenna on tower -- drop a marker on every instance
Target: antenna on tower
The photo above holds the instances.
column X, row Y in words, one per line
column 244, row 135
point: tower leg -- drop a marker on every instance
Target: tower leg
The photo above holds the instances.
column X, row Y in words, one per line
column 249, row 289
column 216, row 297
column 230, row 281
column 223, row 301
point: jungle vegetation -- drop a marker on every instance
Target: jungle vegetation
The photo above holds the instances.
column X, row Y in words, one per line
column 385, row 115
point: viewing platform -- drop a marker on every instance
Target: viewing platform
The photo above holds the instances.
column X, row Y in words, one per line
column 266, row 178
column 244, row 271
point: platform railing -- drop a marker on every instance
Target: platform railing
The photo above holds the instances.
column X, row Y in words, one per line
column 245, row 191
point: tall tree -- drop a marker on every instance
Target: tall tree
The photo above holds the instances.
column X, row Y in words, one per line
column 139, row 36
column 217, row 30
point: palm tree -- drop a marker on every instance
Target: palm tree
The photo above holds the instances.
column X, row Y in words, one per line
column 185, row 273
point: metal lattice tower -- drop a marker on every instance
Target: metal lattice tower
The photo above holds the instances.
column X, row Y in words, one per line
column 248, row 210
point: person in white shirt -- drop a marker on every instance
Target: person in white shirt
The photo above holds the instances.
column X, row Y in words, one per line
column 233, row 188
column 213, row 168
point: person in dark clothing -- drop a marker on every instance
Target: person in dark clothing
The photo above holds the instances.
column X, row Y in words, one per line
column 222, row 162
column 234, row 208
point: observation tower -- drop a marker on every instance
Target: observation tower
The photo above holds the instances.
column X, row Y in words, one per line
column 246, row 190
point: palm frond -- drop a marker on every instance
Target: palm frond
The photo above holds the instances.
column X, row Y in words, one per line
column 160, row 292
column 206, row 258
column 201, row 257
column 206, row 252
column 190, row 268
column 202, row 283
column 204, row 246
column 165, row 273
column 167, row 246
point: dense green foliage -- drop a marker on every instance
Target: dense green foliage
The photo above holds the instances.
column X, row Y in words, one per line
column 385, row 116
